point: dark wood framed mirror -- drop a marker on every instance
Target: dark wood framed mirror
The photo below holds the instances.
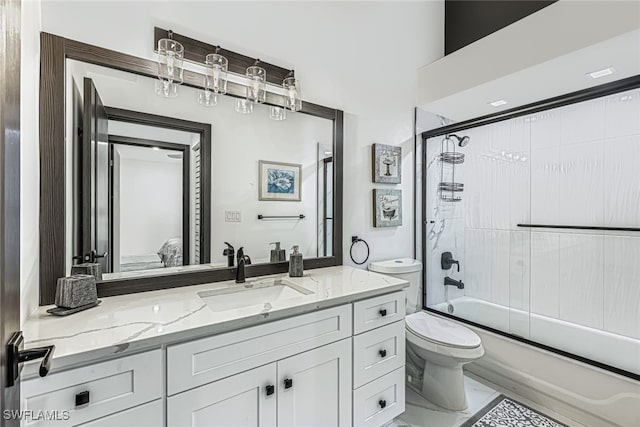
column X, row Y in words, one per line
column 55, row 211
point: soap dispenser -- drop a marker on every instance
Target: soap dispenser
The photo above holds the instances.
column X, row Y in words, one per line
column 296, row 267
column 277, row 254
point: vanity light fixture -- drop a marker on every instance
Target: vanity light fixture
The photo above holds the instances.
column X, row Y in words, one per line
column 167, row 90
column 215, row 81
column 256, row 86
column 601, row 73
column 170, row 66
column 292, row 96
column 498, row 103
column 277, row 113
column 244, row 106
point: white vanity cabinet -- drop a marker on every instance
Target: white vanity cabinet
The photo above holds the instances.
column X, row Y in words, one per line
column 341, row 366
column 310, row 389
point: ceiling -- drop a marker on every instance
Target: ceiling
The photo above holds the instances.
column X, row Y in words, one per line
column 520, row 67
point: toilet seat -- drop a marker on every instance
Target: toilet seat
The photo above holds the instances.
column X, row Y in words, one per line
column 442, row 331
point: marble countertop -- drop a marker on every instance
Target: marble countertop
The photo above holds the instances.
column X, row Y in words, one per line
column 134, row 322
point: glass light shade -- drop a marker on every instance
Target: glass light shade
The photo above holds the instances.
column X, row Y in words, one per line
column 216, row 78
column 207, row 98
column 256, row 86
column 277, row 113
column 244, row 106
column 166, row 88
column 292, row 96
column 170, row 60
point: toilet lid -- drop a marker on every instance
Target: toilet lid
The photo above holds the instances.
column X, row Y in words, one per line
column 442, row 331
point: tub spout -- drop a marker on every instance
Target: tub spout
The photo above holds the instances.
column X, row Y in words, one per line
column 448, row 281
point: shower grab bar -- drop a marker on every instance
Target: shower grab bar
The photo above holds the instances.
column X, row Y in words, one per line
column 579, row 227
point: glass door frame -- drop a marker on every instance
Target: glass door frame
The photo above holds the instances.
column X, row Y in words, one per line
column 606, row 89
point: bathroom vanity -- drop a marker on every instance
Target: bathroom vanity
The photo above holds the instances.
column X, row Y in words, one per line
column 327, row 349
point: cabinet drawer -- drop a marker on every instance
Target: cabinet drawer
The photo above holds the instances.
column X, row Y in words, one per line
column 147, row 415
column 378, row 352
column 113, row 386
column 375, row 312
column 380, row 401
column 209, row 359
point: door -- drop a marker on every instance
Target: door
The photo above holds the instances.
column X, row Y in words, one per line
column 314, row 388
column 9, row 199
column 243, row 400
column 93, row 229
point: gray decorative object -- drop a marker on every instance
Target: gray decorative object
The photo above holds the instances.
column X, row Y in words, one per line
column 91, row 268
column 387, row 208
column 76, row 291
column 279, row 181
column 296, row 266
column 387, row 164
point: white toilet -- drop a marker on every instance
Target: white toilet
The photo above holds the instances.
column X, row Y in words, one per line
column 437, row 348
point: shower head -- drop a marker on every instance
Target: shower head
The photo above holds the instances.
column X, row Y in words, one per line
column 462, row 140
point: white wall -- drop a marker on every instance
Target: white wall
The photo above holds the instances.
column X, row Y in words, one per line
column 150, row 203
column 29, row 158
column 360, row 57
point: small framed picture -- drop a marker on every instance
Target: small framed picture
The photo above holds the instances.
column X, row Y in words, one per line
column 387, row 164
column 387, row 207
column 279, row 181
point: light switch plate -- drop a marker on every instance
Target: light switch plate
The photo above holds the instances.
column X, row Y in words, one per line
column 232, row 216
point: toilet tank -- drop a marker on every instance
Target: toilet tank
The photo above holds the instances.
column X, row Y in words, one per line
column 406, row 269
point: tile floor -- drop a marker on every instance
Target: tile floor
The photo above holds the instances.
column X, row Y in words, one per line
column 421, row 413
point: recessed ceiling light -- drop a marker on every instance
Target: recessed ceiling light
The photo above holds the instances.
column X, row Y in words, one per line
column 156, row 148
column 601, row 73
column 498, row 103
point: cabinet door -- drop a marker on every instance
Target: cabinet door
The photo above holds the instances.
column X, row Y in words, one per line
column 314, row 388
column 241, row 400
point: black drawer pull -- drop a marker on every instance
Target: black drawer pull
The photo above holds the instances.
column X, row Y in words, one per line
column 288, row 383
column 383, row 312
column 383, row 353
column 270, row 390
column 82, row 398
column 382, row 403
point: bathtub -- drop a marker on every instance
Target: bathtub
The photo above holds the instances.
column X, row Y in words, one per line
column 592, row 396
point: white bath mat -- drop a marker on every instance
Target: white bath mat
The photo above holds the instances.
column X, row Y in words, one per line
column 505, row 412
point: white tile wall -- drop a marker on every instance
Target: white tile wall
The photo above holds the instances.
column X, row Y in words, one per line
column 581, row 280
column 581, row 185
column 622, row 181
column 576, row 165
column 545, row 272
column 622, row 285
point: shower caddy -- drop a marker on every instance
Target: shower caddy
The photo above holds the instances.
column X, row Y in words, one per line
column 449, row 155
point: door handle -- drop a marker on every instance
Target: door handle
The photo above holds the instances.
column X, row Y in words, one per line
column 16, row 356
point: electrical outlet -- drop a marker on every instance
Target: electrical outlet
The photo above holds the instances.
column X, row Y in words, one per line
column 232, row 216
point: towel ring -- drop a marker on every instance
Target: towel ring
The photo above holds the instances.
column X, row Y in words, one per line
column 354, row 240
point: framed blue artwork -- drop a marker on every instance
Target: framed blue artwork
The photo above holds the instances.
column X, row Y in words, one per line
column 280, row 181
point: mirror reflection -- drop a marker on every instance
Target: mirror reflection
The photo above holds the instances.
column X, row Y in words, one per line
column 161, row 185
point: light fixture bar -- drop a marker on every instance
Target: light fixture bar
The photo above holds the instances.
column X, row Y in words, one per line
column 601, row 73
column 196, row 51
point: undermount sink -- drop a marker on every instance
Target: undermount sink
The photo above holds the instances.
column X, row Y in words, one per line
column 257, row 291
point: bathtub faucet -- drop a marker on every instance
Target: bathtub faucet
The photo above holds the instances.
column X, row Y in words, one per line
column 448, row 281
